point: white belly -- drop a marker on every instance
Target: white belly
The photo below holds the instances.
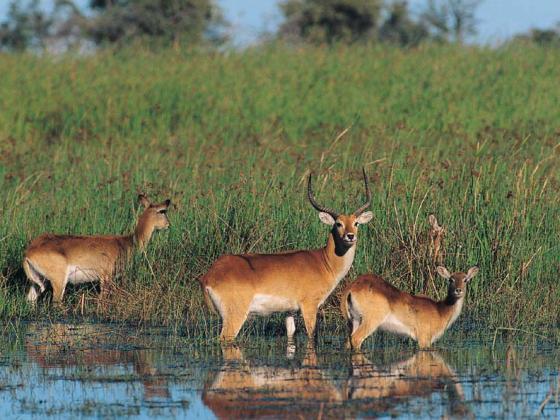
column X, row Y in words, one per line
column 394, row 325
column 267, row 304
column 77, row 275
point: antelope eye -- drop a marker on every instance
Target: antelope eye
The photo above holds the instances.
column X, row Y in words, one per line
column 338, row 224
column 163, row 211
column 356, row 224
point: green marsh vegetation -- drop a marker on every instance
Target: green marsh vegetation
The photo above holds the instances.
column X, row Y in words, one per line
column 468, row 134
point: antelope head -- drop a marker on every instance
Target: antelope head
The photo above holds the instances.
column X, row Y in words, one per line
column 344, row 226
column 155, row 214
column 436, row 230
column 457, row 281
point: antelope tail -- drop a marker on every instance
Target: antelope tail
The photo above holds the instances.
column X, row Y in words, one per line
column 32, row 274
column 207, row 298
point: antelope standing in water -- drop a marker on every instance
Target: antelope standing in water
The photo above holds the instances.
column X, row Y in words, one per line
column 237, row 285
column 63, row 259
column 370, row 303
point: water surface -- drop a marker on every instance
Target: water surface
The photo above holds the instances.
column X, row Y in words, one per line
column 100, row 370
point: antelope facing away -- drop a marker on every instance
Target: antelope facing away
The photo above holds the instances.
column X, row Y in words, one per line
column 63, row 259
column 238, row 285
column 370, row 303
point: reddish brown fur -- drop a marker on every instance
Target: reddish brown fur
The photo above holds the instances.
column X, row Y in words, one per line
column 436, row 234
column 237, row 285
column 370, row 303
column 306, row 277
column 50, row 256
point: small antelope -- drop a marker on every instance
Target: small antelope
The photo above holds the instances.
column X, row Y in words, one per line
column 237, row 285
column 436, row 240
column 428, row 245
column 63, row 259
column 370, row 303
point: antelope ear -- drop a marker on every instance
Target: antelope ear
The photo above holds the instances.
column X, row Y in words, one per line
column 144, row 200
column 471, row 273
column 365, row 217
column 443, row 272
column 326, row 218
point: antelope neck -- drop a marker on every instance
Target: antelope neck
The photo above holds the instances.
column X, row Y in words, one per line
column 454, row 310
column 142, row 233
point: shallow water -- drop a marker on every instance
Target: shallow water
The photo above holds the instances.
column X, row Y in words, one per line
column 94, row 370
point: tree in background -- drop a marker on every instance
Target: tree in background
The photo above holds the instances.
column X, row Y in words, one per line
column 329, row 21
column 542, row 37
column 26, row 26
column 451, row 20
column 399, row 27
column 166, row 21
column 111, row 21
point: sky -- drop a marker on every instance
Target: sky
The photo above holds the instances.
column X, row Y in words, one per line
column 497, row 19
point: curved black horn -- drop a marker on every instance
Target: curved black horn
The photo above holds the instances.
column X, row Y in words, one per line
column 368, row 196
column 315, row 204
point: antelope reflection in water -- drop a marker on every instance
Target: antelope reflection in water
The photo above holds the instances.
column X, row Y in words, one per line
column 379, row 388
column 242, row 390
column 71, row 347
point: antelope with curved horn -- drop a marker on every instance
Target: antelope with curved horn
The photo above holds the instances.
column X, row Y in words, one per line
column 239, row 285
column 370, row 303
column 63, row 259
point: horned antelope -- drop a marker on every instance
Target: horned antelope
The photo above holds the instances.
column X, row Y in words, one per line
column 370, row 303
column 238, row 285
column 63, row 259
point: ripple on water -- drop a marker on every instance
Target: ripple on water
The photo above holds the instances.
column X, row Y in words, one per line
column 100, row 370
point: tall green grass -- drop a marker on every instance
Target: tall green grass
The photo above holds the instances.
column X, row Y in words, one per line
column 469, row 134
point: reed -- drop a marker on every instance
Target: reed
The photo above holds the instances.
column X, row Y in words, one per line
column 468, row 134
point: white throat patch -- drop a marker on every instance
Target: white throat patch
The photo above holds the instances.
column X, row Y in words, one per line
column 456, row 312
